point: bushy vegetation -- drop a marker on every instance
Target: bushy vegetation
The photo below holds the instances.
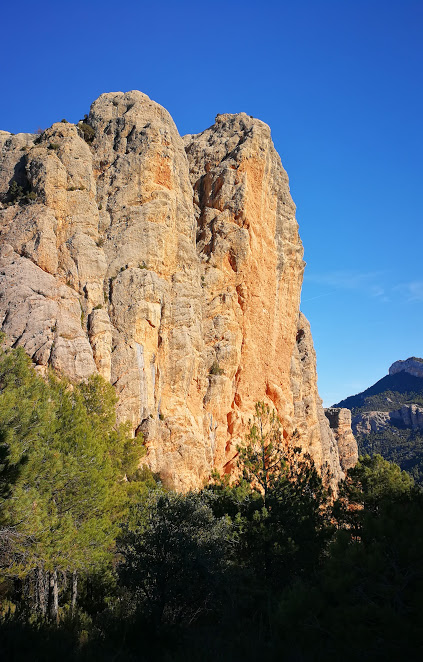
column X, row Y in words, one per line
column 17, row 194
column 215, row 369
column 86, row 131
column 99, row 562
column 403, row 446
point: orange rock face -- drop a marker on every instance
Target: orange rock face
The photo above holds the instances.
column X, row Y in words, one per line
column 171, row 266
column 252, row 264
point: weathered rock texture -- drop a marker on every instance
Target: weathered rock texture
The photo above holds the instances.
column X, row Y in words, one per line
column 171, row 266
column 340, row 422
column 413, row 366
column 408, row 416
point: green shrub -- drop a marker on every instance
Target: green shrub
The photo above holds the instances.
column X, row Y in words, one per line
column 77, row 188
column 172, row 553
column 39, row 132
column 18, row 194
column 216, row 369
column 86, row 132
column 53, row 146
column 15, row 192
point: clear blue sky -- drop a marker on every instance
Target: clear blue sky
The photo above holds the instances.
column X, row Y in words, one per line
column 340, row 84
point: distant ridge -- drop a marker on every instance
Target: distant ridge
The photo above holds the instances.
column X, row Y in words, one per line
column 387, row 394
column 387, row 418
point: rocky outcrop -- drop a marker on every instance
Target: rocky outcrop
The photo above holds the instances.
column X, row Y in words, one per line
column 371, row 421
column 340, row 422
column 413, row 366
column 408, row 416
column 313, row 427
column 171, row 266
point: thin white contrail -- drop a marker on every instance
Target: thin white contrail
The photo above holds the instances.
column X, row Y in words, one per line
column 318, row 297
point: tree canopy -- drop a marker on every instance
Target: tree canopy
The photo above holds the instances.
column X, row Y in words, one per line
column 262, row 566
column 63, row 464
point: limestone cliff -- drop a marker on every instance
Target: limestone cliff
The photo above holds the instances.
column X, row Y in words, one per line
column 412, row 366
column 340, row 422
column 171, row 266
column 408, row 416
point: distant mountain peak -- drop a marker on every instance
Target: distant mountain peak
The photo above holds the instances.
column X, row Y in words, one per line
column 413, row 365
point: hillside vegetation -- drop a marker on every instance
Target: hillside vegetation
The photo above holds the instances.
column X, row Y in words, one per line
column 99, row 562
column 388, row 394
column 397, row 443
column 403, row 446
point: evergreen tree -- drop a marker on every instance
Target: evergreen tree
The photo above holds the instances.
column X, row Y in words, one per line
column 174, row 555
column 279, row 506
column 365, row 601
column 262, row 458
column 61, row 479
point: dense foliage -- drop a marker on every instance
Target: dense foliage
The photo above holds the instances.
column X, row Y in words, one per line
column 267, row 567
column 403, row 446
column 62, row 464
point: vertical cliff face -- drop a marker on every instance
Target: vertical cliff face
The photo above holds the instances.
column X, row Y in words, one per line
column 340, row 422
column 317, row 437
column 171, row 266
column 152, row 280
column 252, row 263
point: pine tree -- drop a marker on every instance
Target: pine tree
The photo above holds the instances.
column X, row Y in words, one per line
column 283, row 524
column 62, row 488
column 262, row 458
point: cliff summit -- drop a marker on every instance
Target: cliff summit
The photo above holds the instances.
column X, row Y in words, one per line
column 412, row 366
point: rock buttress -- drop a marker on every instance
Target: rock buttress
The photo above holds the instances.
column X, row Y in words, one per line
column 317, row 437
column 340, row 422
column 252, row 266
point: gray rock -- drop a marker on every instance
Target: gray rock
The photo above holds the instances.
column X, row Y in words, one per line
column 408, row 416
column 413, row 366
column 340, row 422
